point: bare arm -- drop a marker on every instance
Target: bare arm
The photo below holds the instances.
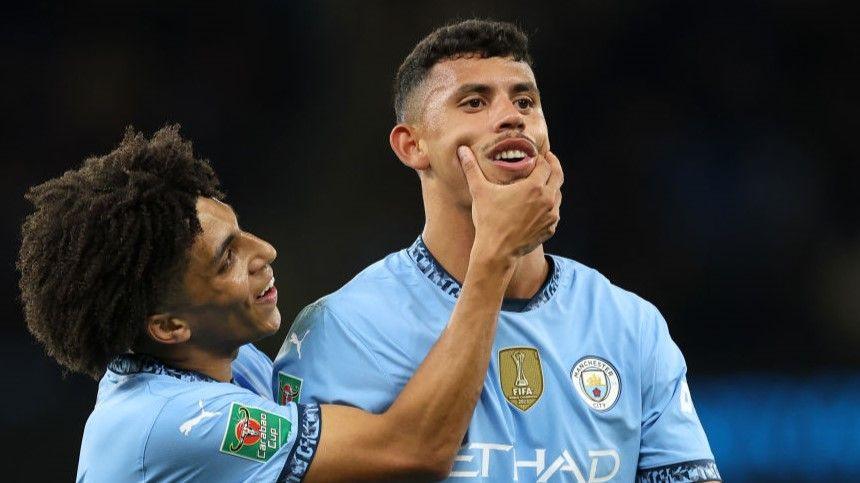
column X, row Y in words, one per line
column 419, row 435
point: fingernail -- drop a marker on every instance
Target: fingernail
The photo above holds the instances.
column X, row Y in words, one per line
column 462, row 152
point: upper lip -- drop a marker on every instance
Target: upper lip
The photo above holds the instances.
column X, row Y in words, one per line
column 270, row 283
column 518, row 143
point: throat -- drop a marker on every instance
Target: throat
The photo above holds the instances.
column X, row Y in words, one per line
column 530, row 275
column 452, row 249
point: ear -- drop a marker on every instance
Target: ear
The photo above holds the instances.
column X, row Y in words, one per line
column 408, row 147
column 167, row 329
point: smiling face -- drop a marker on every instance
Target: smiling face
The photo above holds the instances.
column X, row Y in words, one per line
column 491, row 105
column 229, row 297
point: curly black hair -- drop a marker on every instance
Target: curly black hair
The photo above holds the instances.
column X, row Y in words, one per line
column 106, row 243
column 485, row 38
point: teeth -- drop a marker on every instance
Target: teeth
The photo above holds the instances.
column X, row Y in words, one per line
column 268, row 286
column 510, row 154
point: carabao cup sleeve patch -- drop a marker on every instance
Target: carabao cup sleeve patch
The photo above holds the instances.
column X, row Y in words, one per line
column 253, row 433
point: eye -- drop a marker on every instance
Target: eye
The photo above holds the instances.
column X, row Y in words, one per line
column 524, row 103
column 473, row 104
column 228, row 261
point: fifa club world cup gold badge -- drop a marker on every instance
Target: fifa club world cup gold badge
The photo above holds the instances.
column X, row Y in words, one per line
column 521, row 376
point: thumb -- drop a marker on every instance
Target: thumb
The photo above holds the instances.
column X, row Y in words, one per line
column 474, row 175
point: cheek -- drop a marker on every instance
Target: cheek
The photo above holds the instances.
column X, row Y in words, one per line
column 443, row 147
column 541, row 134
column 229, row 293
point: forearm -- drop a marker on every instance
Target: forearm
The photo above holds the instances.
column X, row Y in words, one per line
column 419, row 435
column 433, row 411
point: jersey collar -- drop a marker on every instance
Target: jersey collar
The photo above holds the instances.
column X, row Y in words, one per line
column 433, row 270
column 129, row 364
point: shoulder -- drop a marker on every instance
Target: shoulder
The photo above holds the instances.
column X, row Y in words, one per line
column 378, row 280
column 380, row 283
column 588, row 286
column 199, row 417
column 139, row 414
column 182, row 399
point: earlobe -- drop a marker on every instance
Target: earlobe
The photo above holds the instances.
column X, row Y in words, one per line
column 406, row 145
column 167, row 329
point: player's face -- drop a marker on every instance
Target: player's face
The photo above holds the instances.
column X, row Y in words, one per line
column 491, row 105
column 230, row 297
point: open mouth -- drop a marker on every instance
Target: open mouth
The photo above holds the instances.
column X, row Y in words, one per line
column 510, row 156
column 268, row 292
column 513, row 154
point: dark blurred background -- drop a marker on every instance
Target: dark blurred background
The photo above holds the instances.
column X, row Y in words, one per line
column 710, row 151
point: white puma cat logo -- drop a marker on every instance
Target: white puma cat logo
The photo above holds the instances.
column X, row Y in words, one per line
column 294, row 339
column 185, row 428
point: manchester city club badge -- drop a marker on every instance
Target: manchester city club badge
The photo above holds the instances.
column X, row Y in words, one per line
column 597, row 382
column 521, row 376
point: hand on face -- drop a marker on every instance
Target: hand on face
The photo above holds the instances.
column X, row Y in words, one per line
column 512, row 220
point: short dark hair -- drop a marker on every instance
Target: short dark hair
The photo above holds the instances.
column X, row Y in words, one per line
column 485, row 38
column 106, row 242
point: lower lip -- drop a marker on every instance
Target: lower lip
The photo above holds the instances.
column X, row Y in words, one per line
column 520, row 165
column 271, row 297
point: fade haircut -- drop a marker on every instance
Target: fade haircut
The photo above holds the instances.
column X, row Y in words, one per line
column 106, row 242
column 483, row 38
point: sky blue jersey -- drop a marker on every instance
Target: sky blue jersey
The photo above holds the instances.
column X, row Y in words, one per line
column 153, row 422
column 253, row 370
column 584, row 382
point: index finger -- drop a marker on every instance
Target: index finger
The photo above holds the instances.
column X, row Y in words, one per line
column 556, row 177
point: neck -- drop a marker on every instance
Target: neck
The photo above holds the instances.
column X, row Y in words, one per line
column 449, row 234
column 216, row 366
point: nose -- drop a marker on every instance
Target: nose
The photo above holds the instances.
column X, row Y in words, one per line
column 263, row 254
column 509, row 117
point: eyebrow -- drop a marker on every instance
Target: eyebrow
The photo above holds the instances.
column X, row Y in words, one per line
column 525, row 87
column 222, row 248
column 484, row 89
column 472, row 88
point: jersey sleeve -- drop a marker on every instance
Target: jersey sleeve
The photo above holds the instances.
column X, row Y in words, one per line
column 674, row 447
column 323, row 360
column 231, row 435
column 253, row 370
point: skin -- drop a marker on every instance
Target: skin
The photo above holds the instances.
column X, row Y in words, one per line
column 218, row 309
column 449, row 123
column 471, row 102
column 215, row 310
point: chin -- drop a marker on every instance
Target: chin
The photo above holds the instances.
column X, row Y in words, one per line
column 508, row 178
column 502, row 176
column 276, row 321
column 271, row 324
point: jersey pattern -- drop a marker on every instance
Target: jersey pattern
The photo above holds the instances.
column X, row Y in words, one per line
column 154, row 422
column 584, row 384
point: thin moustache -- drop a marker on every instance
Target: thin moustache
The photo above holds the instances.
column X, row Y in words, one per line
column 504, row 137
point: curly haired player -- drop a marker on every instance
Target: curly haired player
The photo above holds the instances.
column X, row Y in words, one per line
column 135, row 271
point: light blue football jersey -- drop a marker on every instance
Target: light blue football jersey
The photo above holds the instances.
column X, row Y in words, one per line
column 584, row 382
column 152, row 422
column 253, row 370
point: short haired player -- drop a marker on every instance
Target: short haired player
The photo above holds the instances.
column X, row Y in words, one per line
column 584, row 383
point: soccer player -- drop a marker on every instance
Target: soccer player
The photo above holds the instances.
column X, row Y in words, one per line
column 134, row 271
column 585, row 383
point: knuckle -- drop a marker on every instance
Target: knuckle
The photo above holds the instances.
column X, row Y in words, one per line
column 548, row 203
